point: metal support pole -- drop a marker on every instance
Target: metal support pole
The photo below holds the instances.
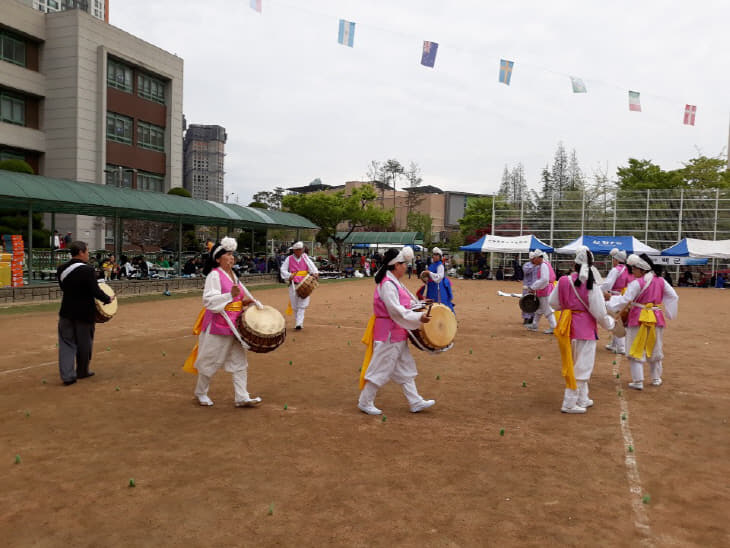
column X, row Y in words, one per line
column 552, row 216
column 582, row 212
column 522, row 213
column 679, row 224
column 53, row 241
column 646, row 223
column 117, row 236
column 30, row 243
column 714, row 229
column 252, row 232
column 179, row 246
column 615, row 208
column 491, row 253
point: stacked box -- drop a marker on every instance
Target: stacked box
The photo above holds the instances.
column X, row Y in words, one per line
column 13, row 245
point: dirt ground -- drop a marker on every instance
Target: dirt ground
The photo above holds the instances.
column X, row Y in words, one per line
column 493, row 463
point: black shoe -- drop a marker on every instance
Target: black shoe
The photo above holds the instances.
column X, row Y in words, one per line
column 298, row 328
column 89, row 374
column 69, row 383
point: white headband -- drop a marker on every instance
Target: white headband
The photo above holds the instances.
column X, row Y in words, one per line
column 635, row 260
column 618, row 254
column 298, row 245
column 536, row 253
column 404, row 256
column 581, row 258
column 227, row 244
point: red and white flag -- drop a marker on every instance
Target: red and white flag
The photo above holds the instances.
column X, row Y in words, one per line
column 635, row 101
column 689, row 114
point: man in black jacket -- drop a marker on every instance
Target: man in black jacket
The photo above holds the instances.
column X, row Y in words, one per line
column 78, row 314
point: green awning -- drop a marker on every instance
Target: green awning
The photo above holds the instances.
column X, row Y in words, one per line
column 50, row 195
column 382, row 237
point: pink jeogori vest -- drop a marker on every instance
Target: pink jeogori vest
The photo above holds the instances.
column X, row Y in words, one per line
column 623, row 278
column 583, row 325
column 384, row 325
column 545, row 291
column 297, row 265
column 218, row 325
column 653, row 294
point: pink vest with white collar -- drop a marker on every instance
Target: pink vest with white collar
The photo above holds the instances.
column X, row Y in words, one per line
column 384, row 325
column 218, row 325
column 653, row 294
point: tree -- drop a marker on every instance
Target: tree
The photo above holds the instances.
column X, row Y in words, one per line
column 477, row 216
column 643, row 174
column 392, row 170
column 258, row 205
column 559, row 171
column 505, row 187
column 180, row 191
column 413, row 176
column 272, row 200
column 329, row 210
column 703, row 172
column 575, row 181
column 19, row 166
column 420, row 222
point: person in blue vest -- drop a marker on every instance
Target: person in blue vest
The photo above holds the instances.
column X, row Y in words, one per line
column 439, row 286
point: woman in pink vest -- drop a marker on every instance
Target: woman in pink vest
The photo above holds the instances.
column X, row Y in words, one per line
column 542, row 287
column 582, row 306
column 387, row 336
column 217, row 346
column 294, row 268
column 615, row 284
column 652, row 300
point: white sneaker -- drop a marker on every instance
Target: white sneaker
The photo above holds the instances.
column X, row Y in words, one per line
column 251, row 402
column 637, row 385
column 656, row 382
column 425, row 404
column 574, row 409
column 611, row 348
column 370, row 409
column 586, row 403
column 205, row 401
column 548, row 331
column 531, row 327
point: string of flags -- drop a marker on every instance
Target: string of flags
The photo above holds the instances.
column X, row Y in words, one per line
column 346, row 37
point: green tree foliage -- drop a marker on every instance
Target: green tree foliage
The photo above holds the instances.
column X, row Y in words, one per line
column 180, row 191
column 327, row 211
column 704, row 172
column 258, row 205
column 420, row 222
column 643, row 174
column 478, row 215
column 272, row 199
column 19, row 166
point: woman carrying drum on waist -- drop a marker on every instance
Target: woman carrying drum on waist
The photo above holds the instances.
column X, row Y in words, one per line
column 217, row 345
column 388, row 356
column 295, row 268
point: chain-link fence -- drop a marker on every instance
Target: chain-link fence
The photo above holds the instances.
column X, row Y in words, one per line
column 657, row 217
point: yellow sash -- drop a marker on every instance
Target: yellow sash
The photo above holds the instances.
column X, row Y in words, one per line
column 646, row 337
column 189, row 364
column 562, row 333
column 367, row 339
column 289, row 309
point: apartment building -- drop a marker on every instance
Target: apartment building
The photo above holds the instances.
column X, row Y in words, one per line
column 86, row 101
column 204, row 151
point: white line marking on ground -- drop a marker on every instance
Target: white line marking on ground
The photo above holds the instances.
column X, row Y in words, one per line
column 29, row 367
column 641, row 520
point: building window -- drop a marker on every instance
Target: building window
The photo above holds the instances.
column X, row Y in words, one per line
column 112, row 175
column 150, row 182
column 119, row 75
column 119, row 128
column 12, row 109
column 12, row 49
column 151, row 88
column 150, row 136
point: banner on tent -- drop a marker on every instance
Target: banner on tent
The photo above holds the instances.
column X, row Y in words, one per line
column 508, row 242
column 675, row 261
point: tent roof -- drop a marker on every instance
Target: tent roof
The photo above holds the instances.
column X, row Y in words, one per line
column 50, row 195
column 691, row 247
column 602, row 245
column 382, row 237
column 507, row 244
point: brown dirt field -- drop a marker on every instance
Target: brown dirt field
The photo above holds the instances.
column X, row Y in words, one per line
column 334, row 476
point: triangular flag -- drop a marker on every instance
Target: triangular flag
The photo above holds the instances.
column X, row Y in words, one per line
column 689, row 114
column 428, row 57
column 256, row 5
column 346, row 36
column 505, row 71
column 578, row 85
column 634, row 101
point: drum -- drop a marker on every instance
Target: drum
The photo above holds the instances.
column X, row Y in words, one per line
column 263, row 330
column 619, row 329
column 105, row 312
column 438, row 334
column 425, row 277
column 529, row 303
column 306, row 286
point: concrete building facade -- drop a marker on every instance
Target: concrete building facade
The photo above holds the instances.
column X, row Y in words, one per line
column 204, row 152
column 86, row 101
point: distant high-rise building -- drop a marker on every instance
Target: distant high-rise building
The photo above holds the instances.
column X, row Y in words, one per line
column 203, row 154
column 97, row 8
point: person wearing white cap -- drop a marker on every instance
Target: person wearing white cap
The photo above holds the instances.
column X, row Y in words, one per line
column 439, row 286
column 529, row 271
column 615, row 283
column 217, row 346
column 294, row 269
column 542, row 287
column 652, row 300
column 580, row 300
column 388, row 356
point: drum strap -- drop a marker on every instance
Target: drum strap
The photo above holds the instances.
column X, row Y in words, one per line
column 68, row 270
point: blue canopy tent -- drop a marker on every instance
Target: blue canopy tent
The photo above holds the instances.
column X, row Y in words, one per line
column 691, row 247
column 507, row 244
column 602, row 245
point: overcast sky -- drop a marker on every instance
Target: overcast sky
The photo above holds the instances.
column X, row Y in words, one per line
column 297, row 105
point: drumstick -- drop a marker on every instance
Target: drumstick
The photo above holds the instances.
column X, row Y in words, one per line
column 428, row 313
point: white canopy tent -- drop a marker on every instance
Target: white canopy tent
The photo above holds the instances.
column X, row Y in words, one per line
column 706, row 249
column 602, row 245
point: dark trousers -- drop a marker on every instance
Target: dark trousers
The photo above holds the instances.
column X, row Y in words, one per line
column 75, row 343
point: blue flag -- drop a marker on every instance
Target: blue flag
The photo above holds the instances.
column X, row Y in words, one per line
column 346, row 36
column 428, row 57
column 505, row 71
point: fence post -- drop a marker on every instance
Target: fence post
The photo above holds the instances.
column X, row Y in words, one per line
column 615, row 208
column 679, row 224
column 30, row 243
column 552, row 216
column 582, row 212
column 646, row 225
column 179, row 247
column 491, row 253
column 714, row 229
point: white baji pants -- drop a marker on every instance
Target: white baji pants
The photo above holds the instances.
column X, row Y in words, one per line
column 216, row 351
column 584, row 358
column 657, row 355
column 391, row 361
column 298, row 304
column 544, row 310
